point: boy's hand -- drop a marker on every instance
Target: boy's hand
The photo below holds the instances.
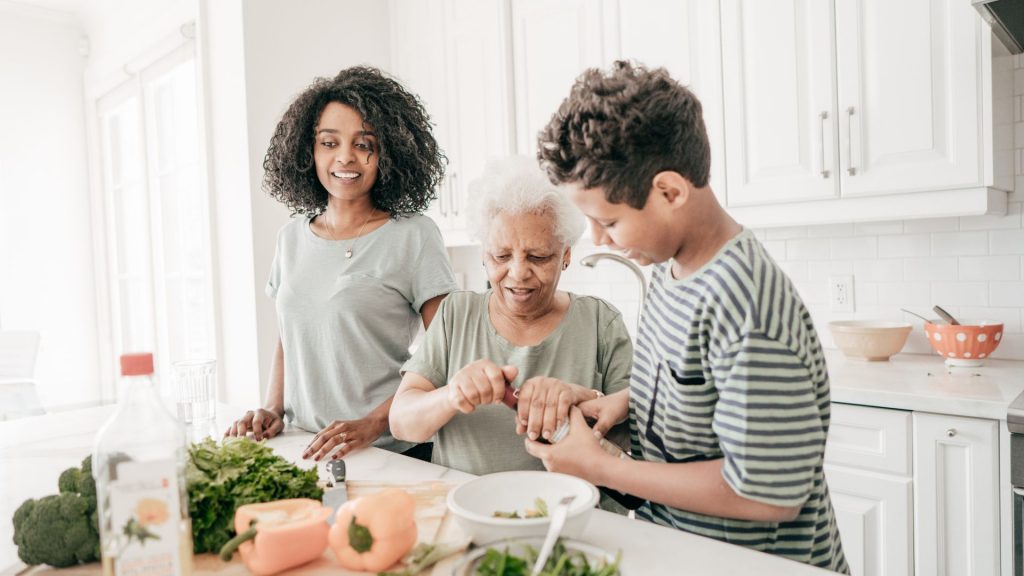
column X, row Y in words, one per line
column 607, row 411
column 576, row 454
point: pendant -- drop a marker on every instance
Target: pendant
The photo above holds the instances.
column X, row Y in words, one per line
column 348, row 253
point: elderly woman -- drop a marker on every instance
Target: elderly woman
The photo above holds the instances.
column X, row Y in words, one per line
column 556, row 348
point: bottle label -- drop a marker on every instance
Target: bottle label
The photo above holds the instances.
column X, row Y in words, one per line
column 146, row 512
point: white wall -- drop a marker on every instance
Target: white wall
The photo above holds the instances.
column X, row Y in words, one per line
column 46, row 260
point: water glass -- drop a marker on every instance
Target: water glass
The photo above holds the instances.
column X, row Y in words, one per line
column 195, row 392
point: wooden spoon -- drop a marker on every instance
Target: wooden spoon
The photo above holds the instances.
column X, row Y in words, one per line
column 945, row 315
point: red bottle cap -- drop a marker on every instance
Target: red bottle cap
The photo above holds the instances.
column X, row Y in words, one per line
column 137, row 364
column 511, row 398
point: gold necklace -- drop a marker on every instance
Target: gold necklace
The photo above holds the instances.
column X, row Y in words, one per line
column 349, row 252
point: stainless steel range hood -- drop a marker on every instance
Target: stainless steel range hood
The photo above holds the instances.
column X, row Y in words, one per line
column 1007, row 20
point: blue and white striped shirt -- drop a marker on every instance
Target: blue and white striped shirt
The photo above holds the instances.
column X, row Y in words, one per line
column 727, row 364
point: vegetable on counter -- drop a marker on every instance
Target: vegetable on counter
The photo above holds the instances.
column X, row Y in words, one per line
column 561, row 562
column 373, row 532
column 223, row 477
column 540, row 510
column 275, row 536
column 60, row 530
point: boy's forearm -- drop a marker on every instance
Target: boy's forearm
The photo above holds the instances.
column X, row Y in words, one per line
column 693, row 486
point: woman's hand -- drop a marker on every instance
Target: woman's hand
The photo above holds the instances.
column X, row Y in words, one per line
column 607, row 411
column 478, row 383
column 262, row 422
column 544, row 404
column 346, row 436
column 578, row 454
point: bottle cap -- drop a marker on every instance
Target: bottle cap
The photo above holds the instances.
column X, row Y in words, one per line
column 137, row 364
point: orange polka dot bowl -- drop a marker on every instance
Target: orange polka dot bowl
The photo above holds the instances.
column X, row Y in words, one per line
column 966, row 344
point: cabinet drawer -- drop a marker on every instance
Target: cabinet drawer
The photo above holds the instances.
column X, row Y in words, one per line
column 870, row 439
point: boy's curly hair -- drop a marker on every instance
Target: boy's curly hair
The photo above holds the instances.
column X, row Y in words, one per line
column 618, row 129
column 410, row 165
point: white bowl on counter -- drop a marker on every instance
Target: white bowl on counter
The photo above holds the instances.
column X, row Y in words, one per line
column 474, row 503
column 869, row 340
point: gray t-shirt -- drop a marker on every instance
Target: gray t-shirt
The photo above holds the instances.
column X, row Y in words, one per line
column 590, row 347
column 346, row 323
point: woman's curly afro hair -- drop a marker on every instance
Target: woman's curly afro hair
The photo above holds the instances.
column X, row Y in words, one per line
column 410, row 165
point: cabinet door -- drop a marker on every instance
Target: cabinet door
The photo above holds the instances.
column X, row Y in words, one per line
column 956, row 495
column 553, row 42
column 683, row 37
column 779, row 88
column 418, row 60
column 875, row 520
column 480, row 94
column 909, row 115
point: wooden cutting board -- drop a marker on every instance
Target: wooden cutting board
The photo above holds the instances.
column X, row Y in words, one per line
column 432, row 522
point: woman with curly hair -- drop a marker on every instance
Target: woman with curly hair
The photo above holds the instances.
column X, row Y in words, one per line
column 355, row 273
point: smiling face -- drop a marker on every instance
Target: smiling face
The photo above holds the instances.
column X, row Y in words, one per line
column 524, row 261
column 345, row 150
column 639, row 234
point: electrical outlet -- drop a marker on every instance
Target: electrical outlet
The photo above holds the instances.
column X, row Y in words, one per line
column 840, row 293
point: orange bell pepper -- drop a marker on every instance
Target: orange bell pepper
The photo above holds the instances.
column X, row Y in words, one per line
column 275, row 536
column 373, row 532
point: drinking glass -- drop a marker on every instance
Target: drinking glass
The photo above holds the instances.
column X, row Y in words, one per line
column 195, row 392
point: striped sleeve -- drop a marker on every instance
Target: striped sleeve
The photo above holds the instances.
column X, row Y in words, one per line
column 768, row 421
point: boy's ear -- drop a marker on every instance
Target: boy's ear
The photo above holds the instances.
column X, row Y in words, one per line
column 672, row 186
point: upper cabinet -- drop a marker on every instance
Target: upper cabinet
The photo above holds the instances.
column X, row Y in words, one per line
column 454, row 54
column 851, row 110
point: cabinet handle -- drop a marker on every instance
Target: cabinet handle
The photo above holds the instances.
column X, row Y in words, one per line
column 822, row 117
column 442, row 194
column 453, row 189
column 849, row 142
column 951, row 432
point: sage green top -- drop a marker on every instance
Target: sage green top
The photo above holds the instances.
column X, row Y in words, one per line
column 590, row 347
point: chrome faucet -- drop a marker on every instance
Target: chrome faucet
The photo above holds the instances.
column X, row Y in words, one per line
column 592, row 259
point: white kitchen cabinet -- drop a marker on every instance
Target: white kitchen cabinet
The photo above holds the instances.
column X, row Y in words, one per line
column 455, row 55
column 850, row 110
column 868, row 470
column 956, row 495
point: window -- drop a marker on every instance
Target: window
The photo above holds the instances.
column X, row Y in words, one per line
column 157, row 216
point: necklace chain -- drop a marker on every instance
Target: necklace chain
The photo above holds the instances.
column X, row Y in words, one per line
column 349, row 252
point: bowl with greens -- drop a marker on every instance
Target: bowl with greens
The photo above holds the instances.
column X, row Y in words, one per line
column 515, row 504
column 515, row 557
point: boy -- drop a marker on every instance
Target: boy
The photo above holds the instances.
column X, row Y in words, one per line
column 728, row 402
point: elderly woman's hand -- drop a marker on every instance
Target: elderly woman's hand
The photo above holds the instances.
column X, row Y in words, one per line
column 480, row 382
column 544, row 404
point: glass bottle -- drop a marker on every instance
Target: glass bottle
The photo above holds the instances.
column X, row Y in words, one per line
column 139, row 466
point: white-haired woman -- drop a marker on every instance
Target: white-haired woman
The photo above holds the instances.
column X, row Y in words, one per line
column 558, row 349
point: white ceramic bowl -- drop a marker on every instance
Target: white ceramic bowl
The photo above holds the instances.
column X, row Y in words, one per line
column 475, row 502
column 870, row 340
column 469, row 563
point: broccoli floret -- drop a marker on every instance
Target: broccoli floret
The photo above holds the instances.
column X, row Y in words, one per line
column 56, row 530
column 70, row 481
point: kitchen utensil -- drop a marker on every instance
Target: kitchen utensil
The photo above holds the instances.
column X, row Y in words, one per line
column 870, row 340
column 915, row 314
column 474, row 503
column 554, row 529
column 336, row 495
column 945, row 315
column 964, row 344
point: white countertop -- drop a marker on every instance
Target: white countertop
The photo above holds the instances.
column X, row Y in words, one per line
column 34, row 451
column 924, row 383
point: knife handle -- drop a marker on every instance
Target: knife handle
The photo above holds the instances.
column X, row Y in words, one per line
column 511, row 397
column 336, row 468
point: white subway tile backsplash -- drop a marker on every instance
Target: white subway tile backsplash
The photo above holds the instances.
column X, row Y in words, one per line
column 878, row 270
column 989, row 268
column 777, row 249
column 878, row 228
column 1007, row 294
column 796, row 270
column 931, row 269
column 807, row 249
column 1010, row 317
column 830, row 230
column 960, row 293
column 865, row 296
column 852, row 248
column 787, row 233
column 931, row 225
column 912, row 295
column 822, row 269
column 1010, row 220
column 1006, row 242
column 904, row 246
column 960, row 243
